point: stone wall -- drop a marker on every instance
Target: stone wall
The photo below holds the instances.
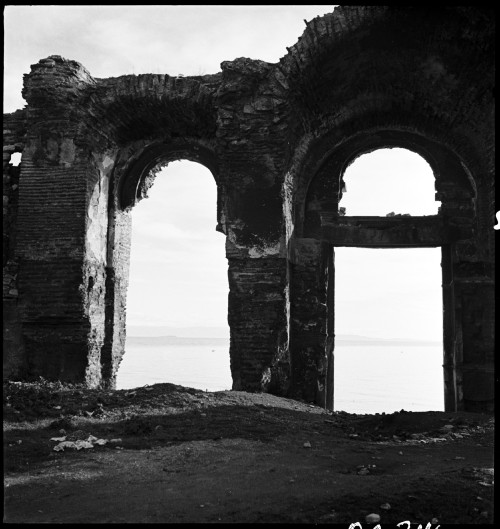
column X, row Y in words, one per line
column 14, row 359
column 277, row 139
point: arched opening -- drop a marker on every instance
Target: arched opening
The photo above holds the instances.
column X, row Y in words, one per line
column 388, row 181
column 388, row 301
column 177, row 328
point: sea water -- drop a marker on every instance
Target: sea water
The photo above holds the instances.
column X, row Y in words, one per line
column 186, row 363
column 367, row 378
column 388, row 378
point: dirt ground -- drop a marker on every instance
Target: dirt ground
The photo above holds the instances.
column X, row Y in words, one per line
column 166, row 453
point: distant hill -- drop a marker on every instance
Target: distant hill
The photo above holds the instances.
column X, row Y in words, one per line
column 176, row 340
column 184, row 332
column 220, row 336
column 351, row 339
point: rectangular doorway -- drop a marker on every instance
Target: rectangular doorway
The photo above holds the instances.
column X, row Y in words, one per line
column 388, row 330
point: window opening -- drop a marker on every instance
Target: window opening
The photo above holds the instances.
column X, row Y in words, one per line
column 388, row 302
column 177, row 329
column 389, row 182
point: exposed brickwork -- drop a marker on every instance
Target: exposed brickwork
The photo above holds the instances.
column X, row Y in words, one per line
column 277, row 139
column 257, row 321
column 309, row 320
column 14, row 130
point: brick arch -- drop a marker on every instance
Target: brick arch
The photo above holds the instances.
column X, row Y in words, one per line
column 321, row 189
column 154, row 107
column 136, row 167
column 369, row 69
column 138, row 176
column 319, row 228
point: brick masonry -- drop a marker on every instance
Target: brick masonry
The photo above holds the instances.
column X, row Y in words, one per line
column 277, row 139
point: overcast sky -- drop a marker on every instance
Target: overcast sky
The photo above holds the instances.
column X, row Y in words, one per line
column 178, row 267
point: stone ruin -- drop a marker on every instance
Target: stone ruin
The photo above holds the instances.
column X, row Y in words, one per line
column 277, row 139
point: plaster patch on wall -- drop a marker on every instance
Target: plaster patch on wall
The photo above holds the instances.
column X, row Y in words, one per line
column 265, row 251
column 287, row 196
column 97, row 220
column 107, row 162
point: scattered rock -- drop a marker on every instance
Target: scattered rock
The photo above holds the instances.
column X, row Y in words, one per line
column 372, row 518
column 83, row 444
column 307, row 444
column 78, row 435
column 58, row 439
column 385, row 506
column 65, row 444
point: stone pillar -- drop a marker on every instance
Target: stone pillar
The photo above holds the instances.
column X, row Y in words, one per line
column 62, row 223
column 257, row 317
column 469, row 306
column 477, row 333
column 474, row 331
column 117, row 279
column 451, row 384
column 311, row 297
